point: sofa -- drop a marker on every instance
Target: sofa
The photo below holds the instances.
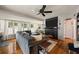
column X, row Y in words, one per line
column 22, row 38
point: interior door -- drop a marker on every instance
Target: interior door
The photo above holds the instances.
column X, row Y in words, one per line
column 68, row 29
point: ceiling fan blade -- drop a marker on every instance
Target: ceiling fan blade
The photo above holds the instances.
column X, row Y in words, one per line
column 47, row 11
column 43, row 14
column 44, row 6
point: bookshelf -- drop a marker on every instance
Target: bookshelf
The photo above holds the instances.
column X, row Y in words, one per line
column 78, row 27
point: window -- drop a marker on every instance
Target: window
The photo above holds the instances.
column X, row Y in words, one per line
column 15, row 24
column 25, row 25
column 31, row 25
column 9, row 27
column 10, row 24
column 22, row 24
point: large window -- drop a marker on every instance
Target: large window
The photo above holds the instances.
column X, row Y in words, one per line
column 11, row 27
column 14, row 26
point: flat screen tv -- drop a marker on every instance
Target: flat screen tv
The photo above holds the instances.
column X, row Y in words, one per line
column 51, row 22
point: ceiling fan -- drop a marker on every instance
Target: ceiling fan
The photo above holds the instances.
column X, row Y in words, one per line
column 42, row 11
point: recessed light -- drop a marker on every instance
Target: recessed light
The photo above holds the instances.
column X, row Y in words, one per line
column 33, row 11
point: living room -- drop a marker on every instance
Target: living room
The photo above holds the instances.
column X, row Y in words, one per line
column 38, row 29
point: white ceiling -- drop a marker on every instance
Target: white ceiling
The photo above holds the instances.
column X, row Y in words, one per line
column 32, row 10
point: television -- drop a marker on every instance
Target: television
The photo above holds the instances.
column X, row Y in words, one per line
column 52, row 22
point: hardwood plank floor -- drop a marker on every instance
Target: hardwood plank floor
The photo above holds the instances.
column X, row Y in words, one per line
column 10, row 48
column 18, row 49
column 61, row 47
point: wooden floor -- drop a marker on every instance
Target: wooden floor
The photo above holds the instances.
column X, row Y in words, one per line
column 9, row 49
column 18, row 49
column 60, row 48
